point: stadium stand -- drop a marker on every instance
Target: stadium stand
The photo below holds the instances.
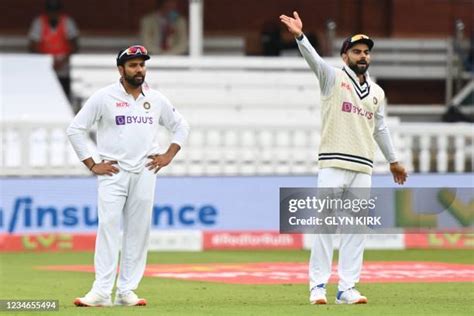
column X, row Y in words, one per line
column 97, row 44
column 253, row 115
column 249, row 116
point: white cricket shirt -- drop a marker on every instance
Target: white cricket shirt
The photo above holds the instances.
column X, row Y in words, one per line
column 127, row 129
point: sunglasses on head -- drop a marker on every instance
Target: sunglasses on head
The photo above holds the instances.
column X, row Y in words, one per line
column 358, row 37
column 134, row 50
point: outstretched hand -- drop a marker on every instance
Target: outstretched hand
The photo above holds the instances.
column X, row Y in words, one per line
column 294, row 24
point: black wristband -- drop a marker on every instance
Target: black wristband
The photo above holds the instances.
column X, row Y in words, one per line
column 300, row 37
column 92, row 167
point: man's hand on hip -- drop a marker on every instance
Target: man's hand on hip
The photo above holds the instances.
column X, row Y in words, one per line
column 158, row 161
column 105, row 168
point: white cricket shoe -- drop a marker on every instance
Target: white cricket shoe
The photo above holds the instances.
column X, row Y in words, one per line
column 350, row 296
column 92, row 299
column 129, row 299
column 318, row 295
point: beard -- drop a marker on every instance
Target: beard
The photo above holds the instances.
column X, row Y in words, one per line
column 359, row 68
column 136, row 80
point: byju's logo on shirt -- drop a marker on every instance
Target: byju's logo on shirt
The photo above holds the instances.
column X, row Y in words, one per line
column 346, row 107
column 133, row 119
column 350, row 108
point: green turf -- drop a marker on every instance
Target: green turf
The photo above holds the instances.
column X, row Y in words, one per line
column 18, row 280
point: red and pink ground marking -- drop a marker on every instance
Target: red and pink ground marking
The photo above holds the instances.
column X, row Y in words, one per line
column 287, row 272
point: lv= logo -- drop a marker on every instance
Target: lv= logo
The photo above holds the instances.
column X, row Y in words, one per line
column 408, row 217
column 48, row 241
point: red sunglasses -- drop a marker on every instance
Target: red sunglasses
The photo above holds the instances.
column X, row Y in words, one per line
column 134, row 50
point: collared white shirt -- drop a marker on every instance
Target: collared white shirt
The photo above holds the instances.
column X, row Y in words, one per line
column 127, row 129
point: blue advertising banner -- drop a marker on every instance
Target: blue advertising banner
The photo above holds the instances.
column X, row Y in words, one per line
column 45, row 205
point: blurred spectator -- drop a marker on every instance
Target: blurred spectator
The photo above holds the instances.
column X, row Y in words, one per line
column 453, row 115
column 165, row 30
column 271, row 38
column 273, row 42
column 55, row 33
column 469, row 61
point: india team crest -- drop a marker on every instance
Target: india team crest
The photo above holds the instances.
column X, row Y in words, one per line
column 146, row 105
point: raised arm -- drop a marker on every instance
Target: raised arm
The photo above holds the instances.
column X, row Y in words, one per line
column 325, row 73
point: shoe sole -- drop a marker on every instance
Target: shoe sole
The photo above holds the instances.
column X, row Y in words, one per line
column 141, row 302
column 360, row 301
column 79, row 303
column 319, row 302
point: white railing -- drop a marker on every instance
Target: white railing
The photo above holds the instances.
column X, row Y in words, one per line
column 40, row 149
column 440, row 147
column 256, row 149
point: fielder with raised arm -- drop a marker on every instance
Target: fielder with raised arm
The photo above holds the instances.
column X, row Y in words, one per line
column 128, row 114
column 352, row 117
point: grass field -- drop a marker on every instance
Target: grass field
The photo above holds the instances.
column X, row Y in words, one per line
column 18, row 280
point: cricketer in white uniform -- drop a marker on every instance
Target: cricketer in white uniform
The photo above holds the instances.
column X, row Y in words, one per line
column 352, row 117
column 128, row 114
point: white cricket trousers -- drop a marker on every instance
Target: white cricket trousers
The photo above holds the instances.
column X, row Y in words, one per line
column 351, row 248
column 125, row 200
